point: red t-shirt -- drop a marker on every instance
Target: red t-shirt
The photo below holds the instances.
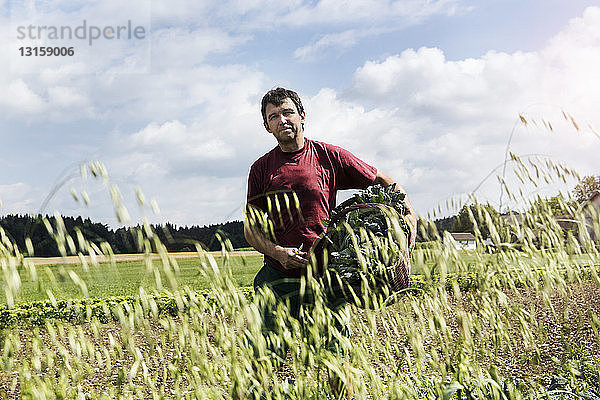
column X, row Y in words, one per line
column 279, row 182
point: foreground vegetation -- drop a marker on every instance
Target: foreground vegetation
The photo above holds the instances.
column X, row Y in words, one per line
column 515, row 320
column 488, row 330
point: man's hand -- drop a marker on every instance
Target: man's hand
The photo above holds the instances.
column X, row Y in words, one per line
column 291, row 257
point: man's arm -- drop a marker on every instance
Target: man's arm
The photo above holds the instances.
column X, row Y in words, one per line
column 385, row 181
column 289, row 257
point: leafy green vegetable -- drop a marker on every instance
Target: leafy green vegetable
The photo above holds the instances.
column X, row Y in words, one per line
column 366, row 244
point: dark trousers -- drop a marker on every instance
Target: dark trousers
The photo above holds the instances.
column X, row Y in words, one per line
column 300, row 305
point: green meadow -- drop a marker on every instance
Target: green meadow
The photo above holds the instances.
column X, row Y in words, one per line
column 519, row 319
column 124, row 278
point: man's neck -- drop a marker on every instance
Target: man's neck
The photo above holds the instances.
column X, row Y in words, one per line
column 293, row 146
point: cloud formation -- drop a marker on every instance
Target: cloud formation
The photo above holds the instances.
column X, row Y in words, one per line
column 15, row 198
column 257, row 15
column 187, row 131
column 367, row 18
column 454, row 118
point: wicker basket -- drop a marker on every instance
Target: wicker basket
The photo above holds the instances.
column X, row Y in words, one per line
column 393, row 277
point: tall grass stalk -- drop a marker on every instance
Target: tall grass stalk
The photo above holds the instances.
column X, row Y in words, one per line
column 474, row 324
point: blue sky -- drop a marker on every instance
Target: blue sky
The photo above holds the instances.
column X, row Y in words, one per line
column 427, row 91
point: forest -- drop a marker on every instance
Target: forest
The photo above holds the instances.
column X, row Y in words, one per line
column 123, row 240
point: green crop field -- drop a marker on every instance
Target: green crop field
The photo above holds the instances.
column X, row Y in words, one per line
column 516, row 319
column 124, row 278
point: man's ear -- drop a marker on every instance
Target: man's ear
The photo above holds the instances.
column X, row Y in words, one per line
column 267, row 127
column 302, row 119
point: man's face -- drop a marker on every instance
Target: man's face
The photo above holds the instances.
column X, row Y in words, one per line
column 284, row 122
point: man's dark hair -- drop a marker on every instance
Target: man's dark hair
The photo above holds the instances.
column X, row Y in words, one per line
column 277, row 97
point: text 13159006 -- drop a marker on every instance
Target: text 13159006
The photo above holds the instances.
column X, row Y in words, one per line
column 46, row 51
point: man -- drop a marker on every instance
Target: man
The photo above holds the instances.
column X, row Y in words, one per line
column 295, row 184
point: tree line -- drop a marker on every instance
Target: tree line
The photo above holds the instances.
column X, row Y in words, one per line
column 39, row 229
column 126, row 240
column 472, row 214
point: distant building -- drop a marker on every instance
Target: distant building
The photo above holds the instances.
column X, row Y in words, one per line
column 566, row 222
column 512, row 219
column 591, row 214
column 465, row 241
column 589, row 210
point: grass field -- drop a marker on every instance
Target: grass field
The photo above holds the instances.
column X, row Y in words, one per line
column 124, row 278
column 521, row 320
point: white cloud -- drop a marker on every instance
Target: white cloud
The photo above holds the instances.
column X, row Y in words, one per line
column 200, row 200
column 173, row 137
column 374, row 18
column 423, row 82
column 20, row 99
column 170, row 93
column 190, row 46
column 346, row 124
column 338, row 20
column 187, row 132
column 67, row 97
column 219, row 126
column 440, row 126
column 365, row 12
column 336, row 41
column 15, row 197
column 568, row 74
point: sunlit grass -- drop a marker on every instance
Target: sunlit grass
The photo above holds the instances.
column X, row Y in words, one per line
column 124, row 278
column 493, row 323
